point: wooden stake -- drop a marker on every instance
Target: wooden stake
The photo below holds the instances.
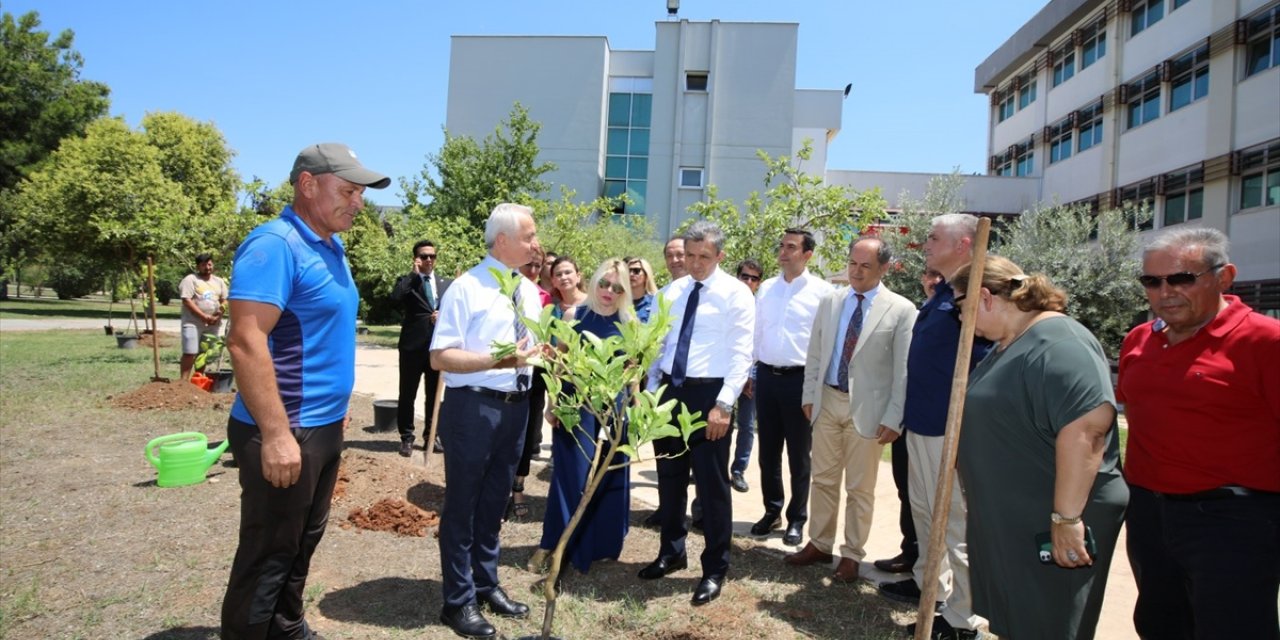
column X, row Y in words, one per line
column 435, row 420
column 155, row 331
column 946, row 475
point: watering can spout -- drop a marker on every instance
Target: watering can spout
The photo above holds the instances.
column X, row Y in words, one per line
column 216, row 453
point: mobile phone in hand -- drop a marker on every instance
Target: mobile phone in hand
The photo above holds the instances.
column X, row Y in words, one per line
column 1044, row 545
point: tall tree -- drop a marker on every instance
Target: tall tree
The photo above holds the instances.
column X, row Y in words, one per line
column 589, row 232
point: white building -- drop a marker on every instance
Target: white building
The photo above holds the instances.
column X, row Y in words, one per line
column 660, row 125
column 1175, row 102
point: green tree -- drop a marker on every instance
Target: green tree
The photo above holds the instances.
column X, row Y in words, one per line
column 905, row 232
column 590, row 232
column 791, row 199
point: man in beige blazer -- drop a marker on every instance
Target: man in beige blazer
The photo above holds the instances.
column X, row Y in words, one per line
column 855, row 380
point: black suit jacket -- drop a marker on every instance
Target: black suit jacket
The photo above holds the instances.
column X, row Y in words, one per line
column 417, row 327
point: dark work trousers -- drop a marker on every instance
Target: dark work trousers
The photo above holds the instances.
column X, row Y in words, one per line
column 898, row 455
column 779, row 421
column 709, row 460
column 1204, row 568
column 279, row 530
column 533, row 430
column 484, row 437
column 415, row 364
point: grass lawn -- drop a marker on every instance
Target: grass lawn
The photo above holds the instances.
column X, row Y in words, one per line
column 89, row 307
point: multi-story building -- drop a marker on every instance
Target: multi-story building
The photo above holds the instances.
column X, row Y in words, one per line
column 1171, row 102
column 657, row 125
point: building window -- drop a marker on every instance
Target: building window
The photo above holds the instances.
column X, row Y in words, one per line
column 690, row 178
column 1141, row 193
column 1183, row 196
column 1089, row 126
column 1189, row 78
column 626, row 162
column 1026, row 95
column 1059, row 136
column 695, row 81
column 1004, row 110
column 1002, row 163
column 1178, row 4
column 1263, row 33
column 1144, row 100
column 1025, row 164
column 1093, row 44
column 1144, row 15
column 1065, row 65
column 1260, row 176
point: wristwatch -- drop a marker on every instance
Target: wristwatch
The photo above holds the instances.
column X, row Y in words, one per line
column 1058, row 518
column 724, row 406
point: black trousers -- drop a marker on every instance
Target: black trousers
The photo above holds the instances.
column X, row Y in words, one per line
column 415, row 365
column 484, row 437
column 898, row 456
column 780, row 421
column 279, row 530
column 709, row 461
column 533, row 430
column 1204, row 568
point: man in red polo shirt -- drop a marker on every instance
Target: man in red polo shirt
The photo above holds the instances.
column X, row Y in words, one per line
column 1201, row 391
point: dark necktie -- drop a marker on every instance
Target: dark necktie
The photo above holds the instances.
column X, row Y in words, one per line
column 426, row 291
column 522, row 379
column 686, row 333
column 850, row 343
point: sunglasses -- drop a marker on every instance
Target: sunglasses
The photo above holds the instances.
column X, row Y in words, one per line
column 426, row 256
column 1182, row 279
column 635, row 271
column 746, row 277
column 615, row 287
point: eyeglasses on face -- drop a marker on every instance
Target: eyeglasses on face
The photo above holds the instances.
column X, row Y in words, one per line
column 615, row 287
column 747, row 277
column 1180, row 279
column 636, row 271
column 426, row 256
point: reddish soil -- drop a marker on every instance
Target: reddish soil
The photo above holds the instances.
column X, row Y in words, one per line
column 175, row 395
column 395, row 515
column 166, row 340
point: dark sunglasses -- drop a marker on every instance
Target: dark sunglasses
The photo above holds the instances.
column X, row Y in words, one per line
column 426, row 256
column 635, row 271
column 615, row 287
column 1181, row 279
column 746, row 277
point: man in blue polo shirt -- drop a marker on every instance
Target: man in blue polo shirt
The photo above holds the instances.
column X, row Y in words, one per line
column 293, row 343
column 931, row 363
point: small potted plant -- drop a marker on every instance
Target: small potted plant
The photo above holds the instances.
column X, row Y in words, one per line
column 214, row 347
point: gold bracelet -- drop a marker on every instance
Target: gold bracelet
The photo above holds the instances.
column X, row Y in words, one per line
column 1058, row 518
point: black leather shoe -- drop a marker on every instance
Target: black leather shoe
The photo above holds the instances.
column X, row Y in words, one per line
column 901, row 591
column 663, row 566
column 467, row 622
column 942, row 630
column 436, row 447
column 696, row 525
column 652, row 521
column 794, row 534
column 739, row 483
column 708, row 590
column 406, row 448
column 901, row 563
column 767, row 524
column 501, row 605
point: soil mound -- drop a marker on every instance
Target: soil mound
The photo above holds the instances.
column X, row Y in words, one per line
column 163, row 339
column 171, row 396
column 395, row 515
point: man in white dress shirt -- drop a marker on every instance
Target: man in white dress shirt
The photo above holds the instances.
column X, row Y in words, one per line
column 785, row 308
column 704, row 364
column 483, row 419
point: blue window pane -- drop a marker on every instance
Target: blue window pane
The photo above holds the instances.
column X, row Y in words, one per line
column 615, row 167
column 619, row 109
column 614, row 188
column 1175, row 208
column 1151, row 108
column 1155, row 11
column 641, row 109
column 617, row 145
column 1251, row 191
column 1273, row 187
column 636, row 191
column 1201, row 84
column 640, row 142
column 1180, row 95
column 639, row 169
column 1135, row 114
column 1195, row 204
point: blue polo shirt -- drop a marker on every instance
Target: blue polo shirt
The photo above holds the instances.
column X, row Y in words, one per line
column 931, row 362
column 313, row 346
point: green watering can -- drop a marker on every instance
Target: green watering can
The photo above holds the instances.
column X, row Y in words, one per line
column 182, row 458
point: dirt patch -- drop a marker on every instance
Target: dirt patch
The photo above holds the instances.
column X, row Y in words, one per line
column 163, row 340
column 395, row 515
column 175, row 395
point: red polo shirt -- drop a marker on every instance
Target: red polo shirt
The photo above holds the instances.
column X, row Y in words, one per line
column 1205, row 412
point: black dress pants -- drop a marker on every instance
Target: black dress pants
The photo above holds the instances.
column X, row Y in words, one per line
column 415, row 365
column 780, row 421
column 898, row 456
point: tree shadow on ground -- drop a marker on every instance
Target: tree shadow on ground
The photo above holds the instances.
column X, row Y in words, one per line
column 186, row 633
column 376, row 446
column 394, row 602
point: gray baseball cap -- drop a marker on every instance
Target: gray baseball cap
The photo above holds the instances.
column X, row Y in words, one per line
column 338, row 159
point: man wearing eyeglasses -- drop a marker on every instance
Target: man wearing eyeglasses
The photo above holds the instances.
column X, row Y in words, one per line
column 419, row 295
column 1201, row 392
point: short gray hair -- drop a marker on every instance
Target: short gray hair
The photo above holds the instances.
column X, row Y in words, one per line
column 962, row 225
column 1213, row 244
column 504, row 219
column 883, row 253
column 705, row 231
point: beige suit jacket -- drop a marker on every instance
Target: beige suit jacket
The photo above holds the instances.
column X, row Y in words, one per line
column 878, row 370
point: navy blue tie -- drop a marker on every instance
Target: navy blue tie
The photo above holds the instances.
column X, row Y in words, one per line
column 686, row 334
column 521, row 331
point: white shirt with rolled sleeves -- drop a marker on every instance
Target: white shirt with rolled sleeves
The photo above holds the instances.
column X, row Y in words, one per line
column 720, row 346
column 473, row 314
column 784, row 318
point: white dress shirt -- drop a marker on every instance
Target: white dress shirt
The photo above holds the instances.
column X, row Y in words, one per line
column 846, row 316
column 473, row 314
column 784, row 318
column 720, row 346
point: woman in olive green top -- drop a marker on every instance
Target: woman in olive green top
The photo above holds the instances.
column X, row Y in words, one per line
column 1038, row 455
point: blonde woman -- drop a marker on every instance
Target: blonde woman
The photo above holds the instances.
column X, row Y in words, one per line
column 643, row 288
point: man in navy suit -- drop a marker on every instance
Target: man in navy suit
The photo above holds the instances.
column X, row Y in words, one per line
column 419, row 292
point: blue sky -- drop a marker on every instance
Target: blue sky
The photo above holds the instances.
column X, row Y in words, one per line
column 275, row 76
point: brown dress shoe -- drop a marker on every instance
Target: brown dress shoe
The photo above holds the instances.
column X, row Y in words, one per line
column 846, row 571
column 807, row 556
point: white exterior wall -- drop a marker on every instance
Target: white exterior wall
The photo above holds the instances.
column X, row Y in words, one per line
column 980, row 194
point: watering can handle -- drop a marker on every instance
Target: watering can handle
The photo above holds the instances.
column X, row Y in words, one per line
column 162, row 440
